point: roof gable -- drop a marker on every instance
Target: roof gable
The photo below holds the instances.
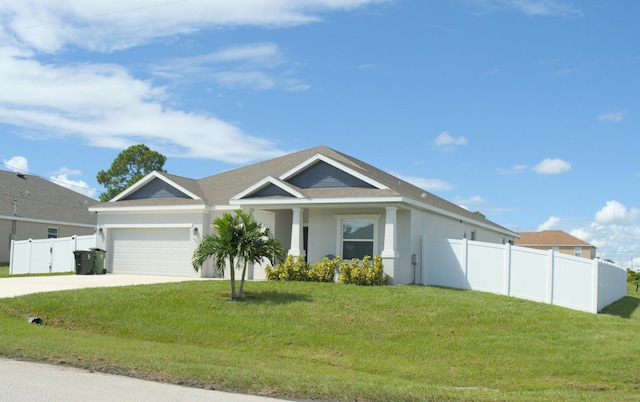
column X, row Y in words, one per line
column 320, row 171
column 324, row 175
column 155, row 185
column 155, row 188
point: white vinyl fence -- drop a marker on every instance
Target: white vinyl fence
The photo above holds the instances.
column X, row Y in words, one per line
column 47, row 255
column 543, row 276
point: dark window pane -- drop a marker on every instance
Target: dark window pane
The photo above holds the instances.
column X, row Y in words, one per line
column 356, row 249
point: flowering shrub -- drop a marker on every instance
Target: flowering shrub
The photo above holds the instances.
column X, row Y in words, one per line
column 363, row 273
column 325, row 270
column 358, row 272
column 289, row 270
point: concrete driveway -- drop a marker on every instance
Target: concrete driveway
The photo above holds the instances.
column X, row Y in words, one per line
column 10, row 287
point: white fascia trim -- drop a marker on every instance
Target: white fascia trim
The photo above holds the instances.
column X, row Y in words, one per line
column 148, row 226
column 319, row 201
column 43, row 221
column 456, row 216
column 337, row 165
column 263, row 183
column 160, row 208
column 153, row 175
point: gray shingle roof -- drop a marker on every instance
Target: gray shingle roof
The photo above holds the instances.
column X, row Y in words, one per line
column 219, row 189
column 42, row 200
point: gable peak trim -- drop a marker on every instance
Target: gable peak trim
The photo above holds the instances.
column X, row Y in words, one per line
column 266, row 182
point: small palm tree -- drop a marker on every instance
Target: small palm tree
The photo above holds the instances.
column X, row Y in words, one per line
column 238, row 240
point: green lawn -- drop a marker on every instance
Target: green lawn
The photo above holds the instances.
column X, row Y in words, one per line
column 4, row 273
column 336, row 342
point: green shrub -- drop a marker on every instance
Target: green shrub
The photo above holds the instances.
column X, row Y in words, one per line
column 325, row 270
column 633, row 276
column 363, row 273
column 289, row 270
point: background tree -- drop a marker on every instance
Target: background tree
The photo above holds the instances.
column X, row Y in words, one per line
column 238, row 240
column 130, row 165
column 480, row 214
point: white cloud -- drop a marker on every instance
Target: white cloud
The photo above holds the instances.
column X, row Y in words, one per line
column 427, row 184
column 530, row 7
column 259, row 66
column 473, row 200
column 550, row 223
column 67, row 172
column 17, row 164
column 614, row 231
column 552, row 166
column 61, row 101
column 516, row 169
column 616, row 213
column 612, row 117
column 78, row 186
column 104, row 105
column 49, row 26
column 447, row 142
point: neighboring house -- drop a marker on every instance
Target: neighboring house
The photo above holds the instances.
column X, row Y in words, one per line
column 34, row 208
column 317, row 202
column 557, row 240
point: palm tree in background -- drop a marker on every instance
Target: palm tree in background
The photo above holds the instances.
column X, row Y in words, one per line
column 238, row 240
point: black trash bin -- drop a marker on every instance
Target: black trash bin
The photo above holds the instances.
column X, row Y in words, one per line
column 84, row 262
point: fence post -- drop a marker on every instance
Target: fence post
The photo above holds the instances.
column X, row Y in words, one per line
column 507, row 269
column 11, row 252
column 30, row 255
column 465, row 261
column 550, row 262
column 423, row 261
column 51, row 245
column 596, row 286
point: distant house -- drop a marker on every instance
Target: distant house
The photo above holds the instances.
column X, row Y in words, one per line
column 317, row 202
column 34, row 208
column 557, row 240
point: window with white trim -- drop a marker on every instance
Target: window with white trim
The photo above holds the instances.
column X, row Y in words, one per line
column 52, row 233
column 578, row 251
column 357, row 236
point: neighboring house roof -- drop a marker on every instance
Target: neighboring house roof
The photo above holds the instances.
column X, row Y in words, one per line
column 297, row 178
column 550, row 238
column 41, row 200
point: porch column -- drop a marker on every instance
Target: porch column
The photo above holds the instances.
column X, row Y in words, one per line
column 297, row 233
column 390, row 252
column 390, row 234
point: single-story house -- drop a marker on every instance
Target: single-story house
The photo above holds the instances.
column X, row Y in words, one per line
column 558, row 241
column 318, row 202
column 34, row 208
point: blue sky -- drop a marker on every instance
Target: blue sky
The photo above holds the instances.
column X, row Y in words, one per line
column 525, row 110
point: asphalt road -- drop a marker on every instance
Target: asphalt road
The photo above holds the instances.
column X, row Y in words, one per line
column 26, row 381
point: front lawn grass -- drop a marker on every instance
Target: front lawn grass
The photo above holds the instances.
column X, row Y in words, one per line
column 5, row 273
column 335, row 342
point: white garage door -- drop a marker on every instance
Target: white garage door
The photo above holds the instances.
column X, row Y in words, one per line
column 151, row 251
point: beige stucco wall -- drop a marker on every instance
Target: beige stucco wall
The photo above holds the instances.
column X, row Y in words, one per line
column 587, row 252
